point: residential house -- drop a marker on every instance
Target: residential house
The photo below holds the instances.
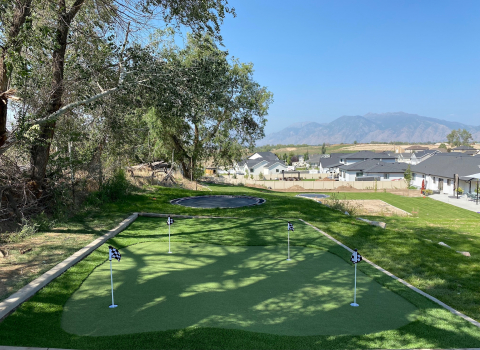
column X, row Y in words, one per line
column 415, row 149
column 329, row 166
column 438, row 172
column 466, row 150
column 372, row 169
column 266, row 163
column 415, row 158
column 364, row 155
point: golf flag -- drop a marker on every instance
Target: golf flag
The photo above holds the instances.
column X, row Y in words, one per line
column 290, row 226
column 113, row 253
column 356, row 257
column 170, row 221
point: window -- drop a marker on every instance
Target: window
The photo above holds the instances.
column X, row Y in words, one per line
column 414, row 176
column 360, row 174
column 278, row 170
column 434, row 179
column 251, row 170
column 448, row 182
column 386, row 176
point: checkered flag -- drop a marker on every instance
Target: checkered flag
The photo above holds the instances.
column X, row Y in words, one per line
column 170, row 221
column 356, row 257
column 290, row 226
column 113, row 253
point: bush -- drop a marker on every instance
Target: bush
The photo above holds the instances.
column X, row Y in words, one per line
column 460, row 190
column 29, row 228
column 43, row 222
column 112, row 190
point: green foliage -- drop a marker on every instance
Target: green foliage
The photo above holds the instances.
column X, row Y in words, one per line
column 112, row 190
column 324, row 148
column 459, row 137
column 261, row 176
column 408, row 175
column 28, row 228
column 442, row 145
column 43, row 222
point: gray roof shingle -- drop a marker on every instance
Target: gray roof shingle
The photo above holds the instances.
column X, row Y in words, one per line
column 448, row 164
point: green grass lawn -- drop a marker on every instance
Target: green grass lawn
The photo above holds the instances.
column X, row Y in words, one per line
column 408, row 248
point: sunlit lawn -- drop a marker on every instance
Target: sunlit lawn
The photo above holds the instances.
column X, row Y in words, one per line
column 408, row 248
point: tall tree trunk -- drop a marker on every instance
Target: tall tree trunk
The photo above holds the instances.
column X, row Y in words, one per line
column 21, row 11
column 3, row 100
column 40, row 151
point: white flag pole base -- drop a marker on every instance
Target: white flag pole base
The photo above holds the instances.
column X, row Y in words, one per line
column 113, row 306
column 169, row 252
column 289, row 259
column 354, row 304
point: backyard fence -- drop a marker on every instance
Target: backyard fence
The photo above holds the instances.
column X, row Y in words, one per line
column 313, row 185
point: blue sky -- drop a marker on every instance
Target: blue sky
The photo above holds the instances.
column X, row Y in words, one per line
column 325, row 59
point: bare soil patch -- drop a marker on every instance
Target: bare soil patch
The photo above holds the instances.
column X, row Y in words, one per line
column 26, row 260
column 373, row 207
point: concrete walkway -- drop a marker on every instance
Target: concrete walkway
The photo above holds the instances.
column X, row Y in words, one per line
column 462, row 202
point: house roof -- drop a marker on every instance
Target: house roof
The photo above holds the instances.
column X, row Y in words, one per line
column 270, row 165
column 463, row 148
column 330, row 162
column 375, row 166
column 448, row 164
column 266, row 155
column 369, row 155
column 413, row 148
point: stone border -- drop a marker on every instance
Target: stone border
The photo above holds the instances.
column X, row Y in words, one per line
column 302, row 195
column 178, row 201
column 428, row 296
column 12, row 302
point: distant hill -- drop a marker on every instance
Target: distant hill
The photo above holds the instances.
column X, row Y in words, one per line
column 385, row 127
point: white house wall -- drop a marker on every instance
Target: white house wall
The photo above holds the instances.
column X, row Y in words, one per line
column 447, row 189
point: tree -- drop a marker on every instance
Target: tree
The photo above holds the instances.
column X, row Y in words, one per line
column 442, row 145
column 324, row 148
column 289, row 158
column 459, row 137
column 305, row 156
column 408, row 176
column 355, row 142
column 211, row 109
column 60, row 26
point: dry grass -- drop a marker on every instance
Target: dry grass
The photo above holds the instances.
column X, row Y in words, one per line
column 26, row 260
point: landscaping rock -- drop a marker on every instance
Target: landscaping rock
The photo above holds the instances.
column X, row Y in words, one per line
column 464, row 253
column 444, row 244
column 346, row 213
column 3, row 254
column 374, row 223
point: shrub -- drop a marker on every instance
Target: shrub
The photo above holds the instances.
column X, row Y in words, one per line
column 112, row 190
column 29, row 228
column 460, row 190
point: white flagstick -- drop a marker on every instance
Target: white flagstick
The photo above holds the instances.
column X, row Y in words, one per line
column 288, row 243
column 169, row 251
column 355, row 285
column 111, row 279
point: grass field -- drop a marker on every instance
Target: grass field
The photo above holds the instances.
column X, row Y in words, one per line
column 408, row 248
column 251, row 288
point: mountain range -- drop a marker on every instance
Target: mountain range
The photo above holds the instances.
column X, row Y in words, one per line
column 384, row 127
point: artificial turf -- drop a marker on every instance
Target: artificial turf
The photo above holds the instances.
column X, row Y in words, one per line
column 38, row 322
column 237, row 287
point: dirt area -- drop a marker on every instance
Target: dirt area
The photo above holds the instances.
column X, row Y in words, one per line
column 145, row 178
column 22, row 262
column 374, row 207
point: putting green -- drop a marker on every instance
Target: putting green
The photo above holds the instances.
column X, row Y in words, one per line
column 248, row 288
